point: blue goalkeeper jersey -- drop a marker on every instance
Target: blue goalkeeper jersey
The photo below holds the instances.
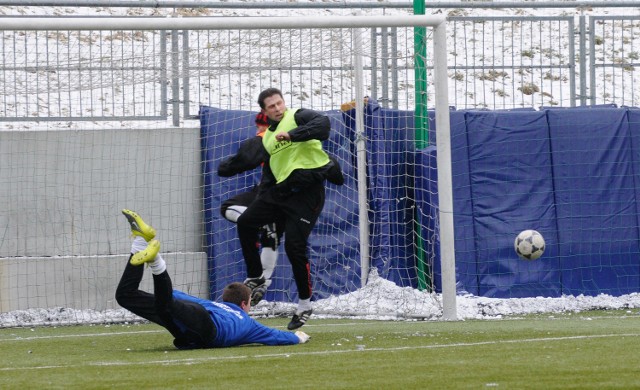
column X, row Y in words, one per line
column 235, row 327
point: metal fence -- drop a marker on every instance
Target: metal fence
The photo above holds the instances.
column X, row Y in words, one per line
column 614, row 60
column 74, row 76
column 507, row 62
column 494, row 63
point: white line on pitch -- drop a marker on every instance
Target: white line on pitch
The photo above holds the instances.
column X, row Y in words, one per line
column 277, row 326
column 27, row 338
column 62, row 336
column 294, row 354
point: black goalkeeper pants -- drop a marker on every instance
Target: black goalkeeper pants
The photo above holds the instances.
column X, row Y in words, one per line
column 298, row 214
column 188, row 322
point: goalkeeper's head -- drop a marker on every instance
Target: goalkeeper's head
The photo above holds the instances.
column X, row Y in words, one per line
column 238, row 294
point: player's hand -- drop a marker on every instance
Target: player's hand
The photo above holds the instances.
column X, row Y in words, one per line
column 303, row 337
column 283, row 136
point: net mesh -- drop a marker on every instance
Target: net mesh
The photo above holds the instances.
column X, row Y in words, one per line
column 67, row 174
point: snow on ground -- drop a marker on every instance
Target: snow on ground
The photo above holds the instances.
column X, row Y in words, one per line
column 380, row 299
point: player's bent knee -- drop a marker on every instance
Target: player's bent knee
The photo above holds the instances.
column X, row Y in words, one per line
column 122, row 298
column 232, row 213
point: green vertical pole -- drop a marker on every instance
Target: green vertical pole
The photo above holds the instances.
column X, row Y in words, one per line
column 420, row 49
column 421, row 126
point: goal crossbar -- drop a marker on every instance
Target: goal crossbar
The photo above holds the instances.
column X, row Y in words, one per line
column 216, row 23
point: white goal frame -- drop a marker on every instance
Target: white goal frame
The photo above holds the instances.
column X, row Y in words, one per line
column 439, row 55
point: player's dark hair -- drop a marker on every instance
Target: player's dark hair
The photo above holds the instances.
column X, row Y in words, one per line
column 236, row 293
column 268, row 93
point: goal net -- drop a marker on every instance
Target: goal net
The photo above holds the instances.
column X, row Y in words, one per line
column 137, row 113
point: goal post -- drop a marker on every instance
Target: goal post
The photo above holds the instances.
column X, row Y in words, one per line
column 445, row 188
column 361, row 156
column 300, row 71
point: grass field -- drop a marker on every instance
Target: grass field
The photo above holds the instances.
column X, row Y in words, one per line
column 579, row 350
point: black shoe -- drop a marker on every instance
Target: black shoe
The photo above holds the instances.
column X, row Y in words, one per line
column 257, row 294
column 258, row 289
column 252, row 283
column 299, row 320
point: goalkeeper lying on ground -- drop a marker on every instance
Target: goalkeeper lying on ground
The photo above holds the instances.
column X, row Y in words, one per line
column 193, row 322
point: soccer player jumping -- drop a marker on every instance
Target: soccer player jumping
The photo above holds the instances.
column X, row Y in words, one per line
column 295, row 198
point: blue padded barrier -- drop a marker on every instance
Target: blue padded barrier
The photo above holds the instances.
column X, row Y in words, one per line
column 216, row 126
column 572, row 174
column 596, row 201
column 426, row 198
column 390, row 151
column 634, row 130
column 466, row 264
column 511, row 190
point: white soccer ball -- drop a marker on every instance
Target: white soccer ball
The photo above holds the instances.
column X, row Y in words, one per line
column 529, row 244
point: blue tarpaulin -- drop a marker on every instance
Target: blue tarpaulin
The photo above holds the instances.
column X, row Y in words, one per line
column 571, row 174
column 334, row 245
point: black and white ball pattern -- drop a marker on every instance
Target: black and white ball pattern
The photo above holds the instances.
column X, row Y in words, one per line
column 529, row 244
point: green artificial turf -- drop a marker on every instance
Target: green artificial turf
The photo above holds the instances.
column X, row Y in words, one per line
column 580, row 350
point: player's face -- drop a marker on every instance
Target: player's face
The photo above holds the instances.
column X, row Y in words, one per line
column 246, row 306
column 274, row 107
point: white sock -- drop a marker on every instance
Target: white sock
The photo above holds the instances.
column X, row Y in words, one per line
column 303, row 305
column 233, row 212
column 138, row 244
column 268, row 258
column 158, row 265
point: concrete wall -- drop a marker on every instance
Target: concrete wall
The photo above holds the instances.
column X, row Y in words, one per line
column 63, row 239
column 87, row 282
